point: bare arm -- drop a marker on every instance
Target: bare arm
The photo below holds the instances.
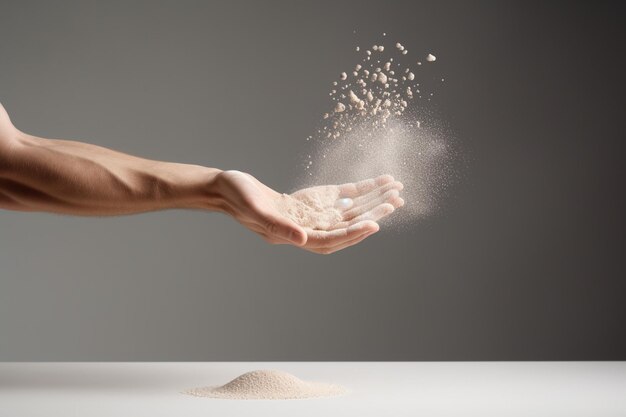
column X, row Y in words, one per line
column 70, row 177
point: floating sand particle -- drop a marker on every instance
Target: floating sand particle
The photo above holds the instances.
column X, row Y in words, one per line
column 358, row 49
column 353, row 97
column 430, row 58
column 343, row 76
column 340, row 107
column 268, row 385
column 410, row 76
column 382, row 78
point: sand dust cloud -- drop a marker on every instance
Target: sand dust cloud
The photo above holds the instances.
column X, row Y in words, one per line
column 380, row 121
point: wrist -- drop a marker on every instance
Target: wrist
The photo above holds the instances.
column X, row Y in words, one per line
column 212, row 197
column 207, row 191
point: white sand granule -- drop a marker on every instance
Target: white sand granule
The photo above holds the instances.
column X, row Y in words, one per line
column 268, row 385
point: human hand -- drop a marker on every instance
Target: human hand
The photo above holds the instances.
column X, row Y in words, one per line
column 322, row 219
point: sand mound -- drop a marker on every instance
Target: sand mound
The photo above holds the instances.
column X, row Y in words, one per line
column 268, row 385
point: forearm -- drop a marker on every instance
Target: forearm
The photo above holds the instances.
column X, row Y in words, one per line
column 79, row 178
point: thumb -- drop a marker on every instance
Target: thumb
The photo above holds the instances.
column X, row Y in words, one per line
column 288, row 230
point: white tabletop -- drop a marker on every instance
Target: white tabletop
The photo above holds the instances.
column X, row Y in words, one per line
column 377, row 389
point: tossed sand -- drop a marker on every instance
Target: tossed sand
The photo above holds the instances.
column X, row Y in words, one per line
column 268, row 385
column 378, row 121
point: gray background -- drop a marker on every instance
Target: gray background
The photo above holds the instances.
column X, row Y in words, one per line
column 526, row 261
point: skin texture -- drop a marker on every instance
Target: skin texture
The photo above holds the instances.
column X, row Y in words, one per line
column 76, row 178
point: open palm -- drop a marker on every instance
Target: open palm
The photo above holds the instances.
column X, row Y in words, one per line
column 322, row 219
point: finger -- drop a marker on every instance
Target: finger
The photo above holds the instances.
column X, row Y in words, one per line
column 374, row 214
column 262, row 230
column 330, row 238
column 395, row 185
column 274, row 240
column 328, row 251
column 283, row 229
column 392, row 197
column 355, row 189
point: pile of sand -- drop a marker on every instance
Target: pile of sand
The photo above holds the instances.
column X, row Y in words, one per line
column 268, row 385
